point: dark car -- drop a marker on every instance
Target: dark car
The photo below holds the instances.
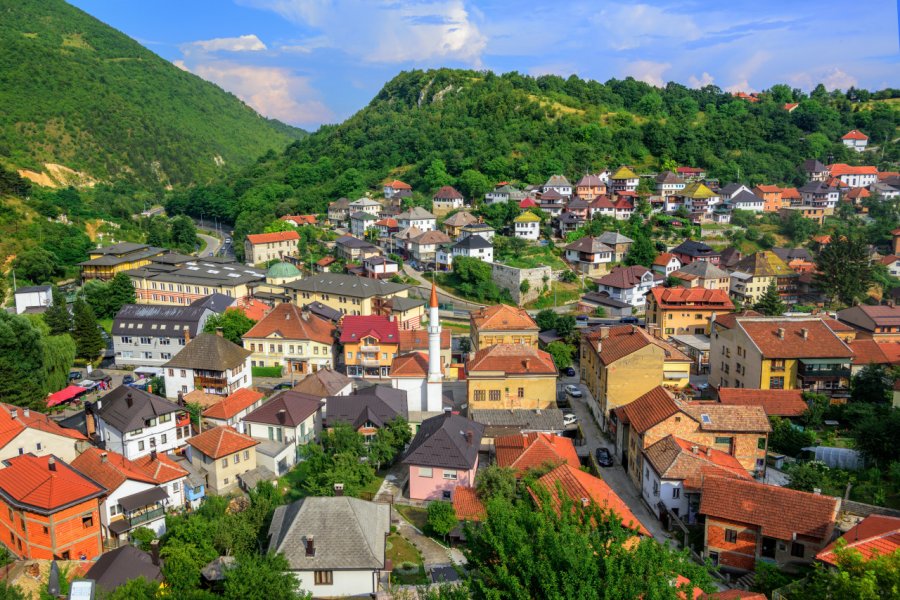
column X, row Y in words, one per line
column 604, row 457
column 582, row 318
column 285, row 385
column 630, row 320
column 568, row 372
column 74, row 375
column 127, row 379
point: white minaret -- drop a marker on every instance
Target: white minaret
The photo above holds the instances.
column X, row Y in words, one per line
column 434, row 385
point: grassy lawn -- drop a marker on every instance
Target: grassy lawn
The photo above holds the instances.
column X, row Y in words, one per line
column 415, row 515
column 456, row 326
column 533, row 256
column 565, row 293
column 409, row 568
column 289, row 483
column 372, row 488
column 106, row 324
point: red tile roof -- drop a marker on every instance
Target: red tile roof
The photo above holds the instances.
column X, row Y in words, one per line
column 645, row 411
column 381, row 327
column 776, row 403
column 769, row 189
column 527, row 203
column 730, row 320
column 388, row 222
column 221, row 441
column 674, row 458
column 778, row 512
column 619, row 342
column 467, row 505
column 300, row 219
column 414, row 364
column 820, row 341
column 858, row 192
column 11, row 427
column 324, row 262
column 290, row 322
column 29, row 482
column 268, row 238
column 876, row 534
column 854, row 134
column 241, row 399
column 626, row 277
column 601, row 202
column 254, row 309
column 693, row 298
column 889, row 260
column 532, row 450
column 581, row 486
column 867, row 352
column 161, row 468
column 663, row 259
column 501, row 317
column 448, row 192
column 202, row 398
column 790, row 193
column 713, row 416
column 790, row 106
column 398, row 185
column 109, row 469
column 512, row 358
column 417, row 339
column 839, row 169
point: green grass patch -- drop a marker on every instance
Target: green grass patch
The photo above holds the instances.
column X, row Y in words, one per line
column 415, row 515
column 372, row 488
column 409, row 568
column 106, row 324
column 532, row 257
column 456, row 326
column 266, row 371
column 290, row 482
column 560, row 293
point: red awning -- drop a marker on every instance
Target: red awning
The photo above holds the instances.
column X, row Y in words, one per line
column 64, row 395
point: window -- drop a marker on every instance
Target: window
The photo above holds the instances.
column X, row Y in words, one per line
column 521, row 392
column 449, row 474
column 797, row 549
column 479, row 395
column 723, row 441
column 146, row 341
column 162, row 439
column 38, row 446
column 247, row 452
column 237, row 458
column 225, row 481
column 495, row 395
column 323, row 577
column 176, row 487
column 140, row 445
column 778, row 365
column 165, row 418
column 776, row 383
column 183, row 373
column 676, row 493
column 115, row 510
column 224, row 462
column 426, row 472
column 731, row 536
column 87, row 521
column 46, row 530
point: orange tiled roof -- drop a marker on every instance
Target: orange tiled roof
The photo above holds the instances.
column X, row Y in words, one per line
column 730, row 320
column 839, row 169
column 713, row 416
column 467, row 505
column 769, row 189
column 778, row 512
column 512, row 358
column 289, row 322
column 875, row 534
column 578, row 485
column 414, row 364
column 889, row 260
column 663, row 259
column 649, row 409
column 531, row 450
column 776, row 403
column 10, row 427
column 790, row 193
column 241, row 399
column 254, row 309
column 30, row 483
column 202, row 398
column 674, row 458
column 858, row 192
column 892, row 352
column 867, row 352
column 268, row 238
column 820, row 341
column 399, row 185
column 161, row 468
column 693, row 298
column 387, row 222
column 417, row 339
column 221, row 441
column 501, row 317
column 300, row 219
column 109, row 469
column 855, row 134
column 836, row 326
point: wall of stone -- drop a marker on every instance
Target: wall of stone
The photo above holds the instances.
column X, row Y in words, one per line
column 511, row 278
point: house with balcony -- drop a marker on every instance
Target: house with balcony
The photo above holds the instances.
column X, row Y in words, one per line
column 819, row 195
column 590, row 186
column 373, row 207
column 288, row 421
column 424, row 247
column 454, row 223
column 443, row 455
column 354, row 249
column 630, row 284
column 209, row 363
column 511, row 376
column 135, row 423
column 339, row 211
column 678, row 311
column 292, row 338
column 697, row 197
column 148, row 335
column 623, row 180
column 752, row 276
column 668, row 184
column 222, row 455
column 349, row 294
column 370, row 345
column 417, row 217
column 589, row 256
column 705, row 275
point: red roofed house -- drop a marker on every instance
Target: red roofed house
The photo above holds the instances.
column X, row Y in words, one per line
column 263, row 247
column 854, row 177
column 49, row 510
column 746, row 522
column 292, row 338
column 446, row 199
column 678, row 311
column 527, row 203
column 691, row 173
column 23, row 430
column 876, row 534
column 790, row 106
column 855, row 139
column 392, row 187
column 533, row 451
column 467, row 505
column 232, row 409
column 416, row 340
column 222, row 455
column 511, row 376
column 370, row 344
column 666, row 264
column 776, row 403
column 856, row 196
column 583, row 487
column 297, row 220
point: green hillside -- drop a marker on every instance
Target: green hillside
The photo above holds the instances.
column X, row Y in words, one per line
column 473, row 129
column 76, row 92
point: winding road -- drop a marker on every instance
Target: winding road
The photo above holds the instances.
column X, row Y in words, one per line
column 212, row 244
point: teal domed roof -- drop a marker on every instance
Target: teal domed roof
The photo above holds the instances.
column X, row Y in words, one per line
column 281, row 270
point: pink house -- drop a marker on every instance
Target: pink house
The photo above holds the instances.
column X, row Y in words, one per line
column 442, row 456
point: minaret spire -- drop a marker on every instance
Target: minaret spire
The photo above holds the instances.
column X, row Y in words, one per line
column 434, row 392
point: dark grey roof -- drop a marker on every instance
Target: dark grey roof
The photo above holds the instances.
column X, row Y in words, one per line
column 173, row 258
column 603, row 299
column 693, row 248
column 473, row 242
column 347, row 533
column 551, row 196
column 209, row 352
column 157, row 320
column 504, row 421
column 588, row 244
column 33, row 288
column 579, row 203
column 611, row 238
column 120, row 248
column 215, row 302
column 730, row 188
column 364, row 216
column 441, row 442
column 811, row 165
column 111, row 259
column 416, row 213
column 789, row 254
column 378, row 405
column 322, row 383
column 339, row 204
column 348, row 241
column 148, row 497
column 568, row 217
column 326, row 312
column 345, row 285
column 478, row 227
column 704, row 269
column 208, row 272
column 402, row 304
column 118, row 567
column 115, row 410
column 745, row 197
column 289, row 408
column 668, row 177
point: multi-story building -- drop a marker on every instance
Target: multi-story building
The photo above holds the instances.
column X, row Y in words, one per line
column 361, row 222
column 423, row 248
column 855, row 140
column 391, row 188
column 590, row 186
column 209, row 363
column 666, row 264
column 752, row 276
column 354, row 249
column 482, row 229
column 559, row 184
column 103, row 263
column 150, row 335
column 589, row 255
column 527, row 226
column 502, row 324
column 222, row 455
column 158, row 283
column 623, row 180
column 511, row 376
column 820, row 195
column 263, row 247
column 855, row 177
column 474, row 246
column 504, row 192
column 630, row 284
column 668, row 184
column 778, row 353
column 689, row 251
column 231, row 410
column 880, row 323
column 446, row 199
column 370, row 344
column 339, row 211
column 679, row 311
column 442, row 456
column 697, row 197
column 49, row 510
column 288, row 421
column 27, row 431
column 367, row 205
column 135, row 423
column 417, row 217
column 350, row 294
column 702, row 274
column 454, row 223
column 292, row 338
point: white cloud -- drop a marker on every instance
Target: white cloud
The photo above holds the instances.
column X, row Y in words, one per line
column 740, row 86
column 838, row 79
column 631, row 26
column 648, row 71
column 180, row 64
column 243, row 43
column 699, row 82
column 742, row 73
column 391, row 31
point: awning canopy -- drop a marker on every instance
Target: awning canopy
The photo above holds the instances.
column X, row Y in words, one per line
column 65, row 394
column 119, row 526
column 825, row 361
column 142, row 499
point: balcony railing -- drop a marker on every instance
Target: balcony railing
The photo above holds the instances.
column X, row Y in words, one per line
column 210, row 382
column 144, row 517
column 369, row 348
column 369, row 362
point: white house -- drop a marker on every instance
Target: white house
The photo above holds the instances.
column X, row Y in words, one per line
column 417, row 217
column 482, row 229
column 630, row 284
column 892, row 263
column 231, row 410
column 446, row 199
column 666, row 264
column 394, row 187
column 135, row 423
column 209, row 363
column 855, row 139
column 334, row 546
column 504, row 193
column 603, row 206
column 379, row 267
column 361, row 222
column 624, row 180
column 819, row 195
column 746, row 200
column 289, row 420
column 474, row 246
column 35, row 297
column 423, row 247
column 669, row 184
column 367, row 205
column 149, row 335
column 560, row 184
column 527, row 226
column 857, row 177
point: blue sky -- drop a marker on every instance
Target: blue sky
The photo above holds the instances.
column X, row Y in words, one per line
column 308, row 62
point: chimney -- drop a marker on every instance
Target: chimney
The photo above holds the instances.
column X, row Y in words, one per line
column 694, row 449
column 104, row 457
column 781, row 333
column 154, row 552
column 129, row 400
column 153, row 455
column 310, row 546
column 525, row 363
column 51, row 463
column 469, row 437
column 281, row 415
column 585, row 502
column 26, row 412
column 339, row 489
column 391, row 318
column 805, row 333
column 14, row 413
column 219, row 331
column 304, row 315
column 708, row 451
column 187, row 335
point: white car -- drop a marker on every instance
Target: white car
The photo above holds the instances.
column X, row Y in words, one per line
column 570, row 419
column 573, row 390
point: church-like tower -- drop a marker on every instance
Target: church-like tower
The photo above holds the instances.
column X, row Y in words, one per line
column 434, row 391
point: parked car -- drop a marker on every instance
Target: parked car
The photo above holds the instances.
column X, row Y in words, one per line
column 569, row 372
column 630, row 320
column 573, row 390
column 604, row 457
column 75, row 375
column 569, row 419
column 582, row 318
column 127, row 379
column 284, row 385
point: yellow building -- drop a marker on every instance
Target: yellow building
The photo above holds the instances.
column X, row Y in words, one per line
column 454, row 223
column 502, row 324
column 105, row 262
column 157, row 284
column 511, row 376
column 371, row 344
column 223, row 455
column 780, row 354
column 619, row 364
column 291, row 338
column 350, row 294
column 753, row 275
column 678, row 311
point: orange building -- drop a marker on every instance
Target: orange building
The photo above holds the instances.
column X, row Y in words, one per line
column 48, row 510
column 771, row 195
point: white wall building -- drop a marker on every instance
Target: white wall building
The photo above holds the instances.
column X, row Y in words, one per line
column 34, row 296
column 209, row 363
column 134, row 423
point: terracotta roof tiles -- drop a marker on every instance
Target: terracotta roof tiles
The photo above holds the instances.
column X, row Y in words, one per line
column 268, row 238
column 29, row 482
column 776, row 403
column 867, row 352
column 381, row 327
column 221, row 441
column 802, row 338
column 289, row 322
column 728, row 417
column 876, row 534
column 649, row 409
column 674, row 458
column 512, row 358
column 241, row 399
column 109, row 469
column 417, row 339
column 414, row 364
column 467, row 505
column 693, row 298
column 532, row 450
column 501, row 317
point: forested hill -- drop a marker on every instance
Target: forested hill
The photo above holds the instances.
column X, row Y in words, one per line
column 76, row 92
column 473, row 129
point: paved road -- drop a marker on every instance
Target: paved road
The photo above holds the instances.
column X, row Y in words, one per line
column 212, row 244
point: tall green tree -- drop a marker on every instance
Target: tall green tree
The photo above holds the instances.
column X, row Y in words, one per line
column 37, row 265
column 120, row 292
column 57, row 316
column 234, row 324
column 770, row 304
column 86, row 331
column 862, row 578
column 495, row 481
column 265, row 577
column 441, row 518
column 873, row 383
column 22, row 356
column 562, row 354
column 184, row 233
column 642, row 251
column 844, row 269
